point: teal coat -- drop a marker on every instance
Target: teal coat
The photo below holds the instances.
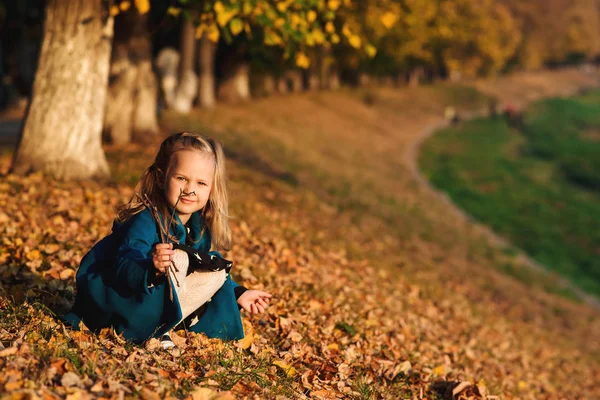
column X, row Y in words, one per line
column 113, row 290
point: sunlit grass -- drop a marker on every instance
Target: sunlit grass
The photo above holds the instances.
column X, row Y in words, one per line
column 518, row 184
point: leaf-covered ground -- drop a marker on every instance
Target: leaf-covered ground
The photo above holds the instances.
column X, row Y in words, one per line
column 359, row 311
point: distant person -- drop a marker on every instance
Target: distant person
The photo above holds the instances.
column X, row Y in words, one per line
column 144, row 282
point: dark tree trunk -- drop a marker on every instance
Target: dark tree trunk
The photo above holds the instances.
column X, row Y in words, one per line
column 188, row 80
column 133, row 91
column 63, row 125
column 206, row 66
column 234, row 86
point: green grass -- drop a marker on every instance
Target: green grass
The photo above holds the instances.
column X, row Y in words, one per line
column 537, row 185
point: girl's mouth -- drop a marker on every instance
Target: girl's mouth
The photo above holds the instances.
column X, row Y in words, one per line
column 187, row 201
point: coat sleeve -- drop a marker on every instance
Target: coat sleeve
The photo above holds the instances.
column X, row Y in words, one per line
column 134, row 263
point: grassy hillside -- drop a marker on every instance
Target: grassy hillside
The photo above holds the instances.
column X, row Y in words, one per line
column 536, row 183
column 380, row 289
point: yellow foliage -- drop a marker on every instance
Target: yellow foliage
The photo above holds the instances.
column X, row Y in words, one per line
column 224, row 15
column 213, row 33
column 330, row 27
column 174, row 11
column 124, row 6
column 287, row 368
column 389, row 19
column 114, row 10
column 282, row 6
column 143, row 6
column 200, row 30
column 346, row 31
column 297, row 21
column 355, row 41
column 247, row 7
column 302, row 60
column 370, row 50
column 318, row 36
column 279, row 22
column 272, row 38
column 335, row 39
column 333, row 5
column 236, row 26
column 311, row 16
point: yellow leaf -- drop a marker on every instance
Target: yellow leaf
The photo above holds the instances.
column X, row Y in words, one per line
column 370, row 50
column 213, row 33
column 246, row 342
column 224, row 15
column 333, row 347
column 439, row 370
column 318, row 36
column 66, row 274
column 236, row 25
column 114, row 10
column 330, row 27
column 522, row 385
column 302, row 60
column 333, row 4
column 354, row 41
column 34, row 255
column 279, row 22
column 272, row 38
column 174, row 11
column 297, row 20
column 335, row 39
column 287, row 368
column 143, row 6
column 311, row 16
column 124, row 6
column 200, row 30
column 389, row 19
column 282, row 6
column 247, row 8
column 346, row 31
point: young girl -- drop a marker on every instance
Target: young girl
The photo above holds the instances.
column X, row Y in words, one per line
column 129, row 280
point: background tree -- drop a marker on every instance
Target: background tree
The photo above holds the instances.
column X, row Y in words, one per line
column 132, row 90
column 62, row 131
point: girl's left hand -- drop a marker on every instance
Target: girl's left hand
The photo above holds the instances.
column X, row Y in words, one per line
column 254, row 301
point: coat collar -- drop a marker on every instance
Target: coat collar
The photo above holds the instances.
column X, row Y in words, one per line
column 195, row 224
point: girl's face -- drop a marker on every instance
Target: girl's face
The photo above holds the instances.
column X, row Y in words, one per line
column 192, row 172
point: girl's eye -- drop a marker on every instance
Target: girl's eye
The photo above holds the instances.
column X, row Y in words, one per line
column 201, row 183
column 180, row 178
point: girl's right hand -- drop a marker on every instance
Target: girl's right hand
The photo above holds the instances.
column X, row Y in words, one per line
column 161, row 257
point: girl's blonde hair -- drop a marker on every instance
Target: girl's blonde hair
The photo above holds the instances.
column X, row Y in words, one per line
column 150, row 186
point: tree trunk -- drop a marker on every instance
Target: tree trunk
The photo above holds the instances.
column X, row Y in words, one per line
column 325, row 68
column 334, row 79
column 282, row 85
column 295, row 79
column 206, row 66
column 63, row 125
column 235, row 87
column 188, row 46
column 132, row 92
column 188, row 80
column 416, row 74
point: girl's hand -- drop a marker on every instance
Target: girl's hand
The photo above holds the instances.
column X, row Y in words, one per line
column 161, row 257
column 254, row 301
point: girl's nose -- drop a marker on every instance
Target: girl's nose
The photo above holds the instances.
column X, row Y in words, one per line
column 188, row 191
